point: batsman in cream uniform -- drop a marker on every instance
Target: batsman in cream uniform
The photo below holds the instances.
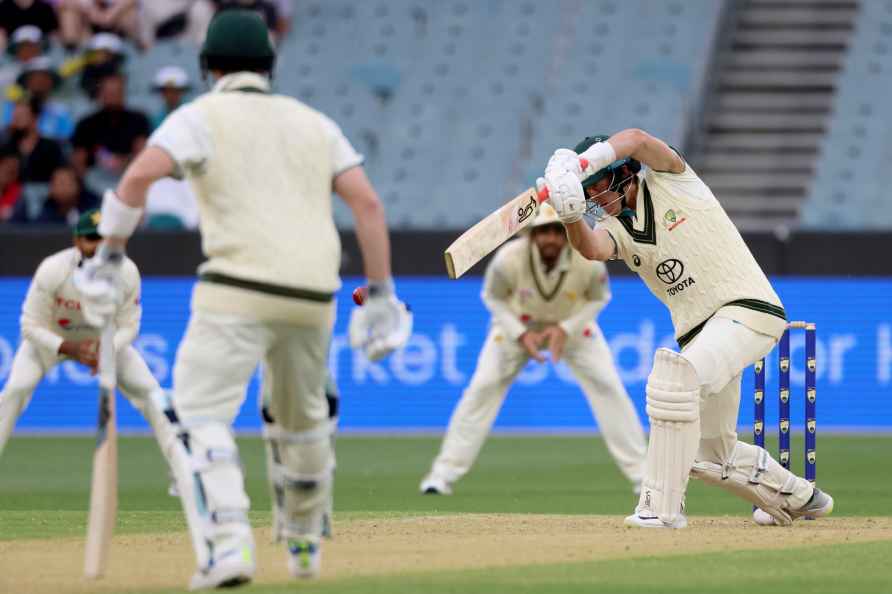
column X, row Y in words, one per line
column 670, row 229
column 263, row 167
column 541, row 294
column 54, row 330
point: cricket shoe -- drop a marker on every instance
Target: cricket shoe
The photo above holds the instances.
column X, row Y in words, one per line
column 818, row 506
column 647, row 519
column 434, row 485
column 231, row 569
column 304, row 557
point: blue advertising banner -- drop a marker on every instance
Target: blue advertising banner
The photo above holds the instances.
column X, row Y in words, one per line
column 417, row 387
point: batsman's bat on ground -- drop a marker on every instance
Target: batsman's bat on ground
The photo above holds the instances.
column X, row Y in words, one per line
column 104, row 486
column 494, row 230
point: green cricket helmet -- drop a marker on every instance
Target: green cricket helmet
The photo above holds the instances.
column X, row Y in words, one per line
column 611, row 170
column 621, row 172
column 237, row 40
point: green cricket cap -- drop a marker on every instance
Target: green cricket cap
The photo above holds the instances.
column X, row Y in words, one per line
column 88, row 223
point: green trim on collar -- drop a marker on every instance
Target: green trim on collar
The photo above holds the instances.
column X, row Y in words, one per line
column 649, row 233
column 557, row 287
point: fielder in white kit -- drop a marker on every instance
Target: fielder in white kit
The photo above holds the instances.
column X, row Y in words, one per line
column 263, row 167
column 668, row 227
column 541, row 294
column 54, row 330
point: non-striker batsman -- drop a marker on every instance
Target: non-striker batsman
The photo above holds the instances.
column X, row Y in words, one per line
column 263, row 167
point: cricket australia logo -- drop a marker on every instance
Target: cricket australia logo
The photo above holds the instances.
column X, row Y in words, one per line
column 526, row 211
column 673, row 219
column 671, row 272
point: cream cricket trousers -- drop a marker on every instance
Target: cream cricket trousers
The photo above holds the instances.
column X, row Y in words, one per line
column 500, row 361
column 719, row 354
column 31, row 363
column 215, row 361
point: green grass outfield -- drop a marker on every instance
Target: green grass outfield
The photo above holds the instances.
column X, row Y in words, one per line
column 44, row 484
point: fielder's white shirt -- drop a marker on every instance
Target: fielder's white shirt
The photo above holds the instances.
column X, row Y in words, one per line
column 691, row 256
column 52, row 312
column 521, row 294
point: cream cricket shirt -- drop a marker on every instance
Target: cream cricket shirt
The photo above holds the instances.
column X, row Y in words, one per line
column 691, row 256
column 520, row 294
column 261, row 166
column 52, row 309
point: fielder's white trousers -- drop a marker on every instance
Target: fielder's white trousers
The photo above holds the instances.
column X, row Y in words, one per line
column 31, row 363
column 500, row 361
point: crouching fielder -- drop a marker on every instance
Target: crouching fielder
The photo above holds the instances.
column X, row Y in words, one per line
column 54, row 330
column 670, row 229
column 263, row 167
column 541, row 294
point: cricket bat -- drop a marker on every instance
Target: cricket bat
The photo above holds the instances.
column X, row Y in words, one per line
column 494, row 230
column 104, row 486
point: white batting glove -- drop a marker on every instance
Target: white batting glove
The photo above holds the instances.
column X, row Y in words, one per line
column 97, row 279
column 382, row 324
column 565, row 194
column 563, row 160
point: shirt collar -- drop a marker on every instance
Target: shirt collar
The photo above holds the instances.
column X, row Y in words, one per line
column 242, row 81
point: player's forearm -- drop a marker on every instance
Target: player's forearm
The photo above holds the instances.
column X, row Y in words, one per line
column 575, row 324
column 374, row 241
column 41, row 336
column 587, row 242
column 503, row 317
column 648, row 149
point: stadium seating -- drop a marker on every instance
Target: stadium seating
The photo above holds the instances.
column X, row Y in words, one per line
column 850, row 188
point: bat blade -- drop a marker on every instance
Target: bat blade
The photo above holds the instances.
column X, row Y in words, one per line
column 491, row 232
column 104, row 483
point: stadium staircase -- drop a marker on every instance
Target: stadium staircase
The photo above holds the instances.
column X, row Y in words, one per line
column 772, row 94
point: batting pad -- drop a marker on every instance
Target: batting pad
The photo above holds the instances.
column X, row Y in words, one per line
column 754, row 475
column 673, row 406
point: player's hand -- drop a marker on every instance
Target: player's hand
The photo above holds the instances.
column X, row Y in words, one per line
column 565, row 194
column 563, row 160
column 97, row 279
column 83, row 351
column 382, row 325
column 530, row 342
column 555, row 338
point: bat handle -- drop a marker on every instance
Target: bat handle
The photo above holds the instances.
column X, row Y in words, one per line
column 542, row 195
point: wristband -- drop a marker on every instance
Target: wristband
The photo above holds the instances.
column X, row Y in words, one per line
column 599, row 155
column 117, row 219
column 381, row 288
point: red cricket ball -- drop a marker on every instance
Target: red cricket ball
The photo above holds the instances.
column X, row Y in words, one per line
column 359, row 295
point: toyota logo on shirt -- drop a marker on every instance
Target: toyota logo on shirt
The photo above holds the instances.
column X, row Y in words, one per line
column 669, row 271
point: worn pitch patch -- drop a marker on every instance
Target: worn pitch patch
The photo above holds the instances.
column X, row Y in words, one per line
column 413, row 544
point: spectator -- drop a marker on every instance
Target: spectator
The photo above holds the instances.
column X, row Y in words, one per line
column 79, row 19
column 172, row 83
column 27, row 44
column 66, row 200
column 15, row 14
column 111, row 135
column 38, row 81
column 39, row 155
column 104, row 56
column 10, row 185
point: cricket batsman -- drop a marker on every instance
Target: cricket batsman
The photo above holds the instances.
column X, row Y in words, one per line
column 54, row 329
column 666, row 224
column 263, row 167
column 541, row 294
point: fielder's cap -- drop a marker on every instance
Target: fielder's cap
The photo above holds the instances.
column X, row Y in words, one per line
column 171, row 76
column 106, row 41
column 88, row 223
column 38, row 64
column 546, row 216
column 27, row 34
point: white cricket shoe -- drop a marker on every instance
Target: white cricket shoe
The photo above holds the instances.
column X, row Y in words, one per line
column 304, row 557
column 646, row 519
column 434, row 485
column 229, row 570
column 818, row 506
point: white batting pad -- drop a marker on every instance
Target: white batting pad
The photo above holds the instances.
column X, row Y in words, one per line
column 754, row 475
column 673, row 406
